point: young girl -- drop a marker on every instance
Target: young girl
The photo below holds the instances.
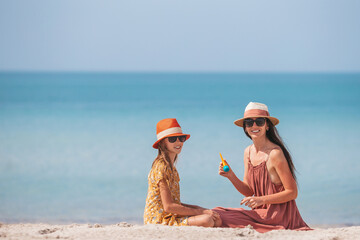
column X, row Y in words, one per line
column 163, row 204
column 269, row 184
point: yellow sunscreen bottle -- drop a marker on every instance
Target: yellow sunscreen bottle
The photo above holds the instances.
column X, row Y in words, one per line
column 225, row 166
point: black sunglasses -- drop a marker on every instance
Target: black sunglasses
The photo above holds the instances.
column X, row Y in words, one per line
column 259, row 122
column 173, row 139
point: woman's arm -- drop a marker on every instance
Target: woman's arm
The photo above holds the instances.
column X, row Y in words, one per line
column 279, row 163
column 241, row 186
column 171, row 207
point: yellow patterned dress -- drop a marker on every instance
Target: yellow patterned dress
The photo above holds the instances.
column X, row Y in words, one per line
column 154, row 211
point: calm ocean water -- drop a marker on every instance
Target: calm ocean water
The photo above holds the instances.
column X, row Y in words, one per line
column 76, row 147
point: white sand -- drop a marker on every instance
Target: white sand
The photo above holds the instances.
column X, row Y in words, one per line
column 129, row 231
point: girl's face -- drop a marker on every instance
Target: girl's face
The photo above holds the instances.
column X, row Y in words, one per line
column 175, row 144
column 256, row 127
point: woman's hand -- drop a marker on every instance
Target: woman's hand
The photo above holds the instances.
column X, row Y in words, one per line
column 223, row 173
column 253, row 202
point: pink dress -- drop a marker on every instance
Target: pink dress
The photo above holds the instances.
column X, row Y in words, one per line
column 264, row 218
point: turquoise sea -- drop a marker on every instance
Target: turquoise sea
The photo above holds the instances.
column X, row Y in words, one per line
column 77, row 147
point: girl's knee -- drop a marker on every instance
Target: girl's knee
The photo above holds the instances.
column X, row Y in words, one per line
column 208, row 221
column 218, row 222
column 202, row 221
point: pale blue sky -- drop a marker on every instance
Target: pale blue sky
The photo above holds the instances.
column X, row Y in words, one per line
column 204, row 35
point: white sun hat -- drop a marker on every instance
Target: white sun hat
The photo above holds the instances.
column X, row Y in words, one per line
column 254, row 110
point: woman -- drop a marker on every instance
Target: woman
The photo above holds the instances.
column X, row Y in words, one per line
column 163, row 204
column 269, row 184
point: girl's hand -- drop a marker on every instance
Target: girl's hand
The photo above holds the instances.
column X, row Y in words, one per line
column 253, row 202
column 223, row 173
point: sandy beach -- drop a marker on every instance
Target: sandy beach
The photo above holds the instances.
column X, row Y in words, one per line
column 129, row 231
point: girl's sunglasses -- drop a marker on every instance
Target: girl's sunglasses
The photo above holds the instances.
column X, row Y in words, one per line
column 173, row 139
column 259, row 122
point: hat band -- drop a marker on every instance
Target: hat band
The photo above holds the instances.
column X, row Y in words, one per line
column 256, row 112
column 168, row 132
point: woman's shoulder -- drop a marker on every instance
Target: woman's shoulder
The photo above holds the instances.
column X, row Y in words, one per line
column 247, row 149
column 276, row 155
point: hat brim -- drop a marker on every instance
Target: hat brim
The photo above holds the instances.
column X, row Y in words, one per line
column 156, row 144
column 240, row 122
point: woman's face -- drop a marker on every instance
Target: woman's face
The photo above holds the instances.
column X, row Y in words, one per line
column 258, row 128
column 175, row 146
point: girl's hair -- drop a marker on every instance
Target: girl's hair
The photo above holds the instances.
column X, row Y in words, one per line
column 273, row 135
column 163, row 155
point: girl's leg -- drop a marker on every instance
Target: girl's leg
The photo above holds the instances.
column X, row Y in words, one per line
column 218, row 222
column 204, row 220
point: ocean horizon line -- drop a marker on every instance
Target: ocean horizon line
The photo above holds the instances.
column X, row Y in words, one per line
column 180, row 72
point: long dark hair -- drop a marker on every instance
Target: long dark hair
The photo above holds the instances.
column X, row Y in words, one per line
column 164, row 155
column 273, row 135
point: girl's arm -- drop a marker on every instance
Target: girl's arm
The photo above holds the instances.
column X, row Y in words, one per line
column 171, row 207
column 192, row 206
column 241, row 186
column 278, row 161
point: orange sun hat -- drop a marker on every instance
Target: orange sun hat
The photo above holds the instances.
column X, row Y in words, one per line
column 168, row 127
